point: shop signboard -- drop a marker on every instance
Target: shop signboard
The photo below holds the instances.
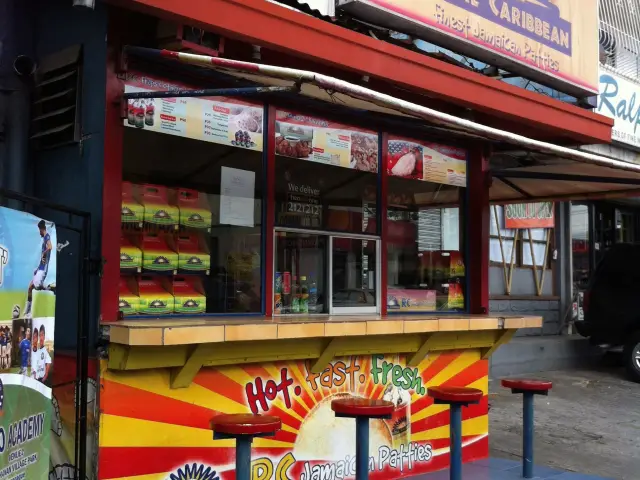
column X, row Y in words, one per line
column 426, row 161
column 319, row 140
column 550, row 41
column 27, row 320
column 529, row 215
column 226, row 121
column 619, row 100
column 169, row 435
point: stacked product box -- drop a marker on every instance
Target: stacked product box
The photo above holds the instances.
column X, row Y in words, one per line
column 165, row 233
column 157, row 208
column 193, row 254
column 130, row 254
column 132, row 211
column 195, row 211
column 189, row 295
column 159, row 253
column 155, row 295
column 129, row 299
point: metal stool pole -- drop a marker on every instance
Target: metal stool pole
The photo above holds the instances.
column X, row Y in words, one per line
column 362, row 448
column 528, row 388
column 456, row 398
column 455, row 429
column 527, row 441
column 362, row 409
column 243, row 458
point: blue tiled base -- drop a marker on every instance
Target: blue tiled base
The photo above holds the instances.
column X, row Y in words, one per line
column 500, row 469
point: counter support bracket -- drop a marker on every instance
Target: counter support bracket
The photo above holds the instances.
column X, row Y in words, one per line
column 326, row 356
column 422, row 352
column 182, row 377
column 504, row 337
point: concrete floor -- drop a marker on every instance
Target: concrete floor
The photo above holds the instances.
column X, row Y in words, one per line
column 590, row 423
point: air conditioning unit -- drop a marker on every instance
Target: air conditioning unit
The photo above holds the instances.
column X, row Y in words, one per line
column 185, row 38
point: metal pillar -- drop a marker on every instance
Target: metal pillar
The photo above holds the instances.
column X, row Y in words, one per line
column 455, row 438
column 362, row 448
column 527, row 444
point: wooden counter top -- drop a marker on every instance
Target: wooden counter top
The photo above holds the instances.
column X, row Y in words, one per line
column 185, row 345
column 190, row 331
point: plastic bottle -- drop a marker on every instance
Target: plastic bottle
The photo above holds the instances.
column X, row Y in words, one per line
column 295, row 296
column 304, row 295
column 313, row 294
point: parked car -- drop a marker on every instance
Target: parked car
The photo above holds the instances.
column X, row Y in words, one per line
column 612, row 305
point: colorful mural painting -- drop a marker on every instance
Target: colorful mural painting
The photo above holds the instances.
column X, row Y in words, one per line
column 168, row 433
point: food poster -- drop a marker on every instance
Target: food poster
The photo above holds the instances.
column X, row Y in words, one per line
column 168, row 432
column 28, row 267
column 430, row 162
column 227, row 121
column 318, row 140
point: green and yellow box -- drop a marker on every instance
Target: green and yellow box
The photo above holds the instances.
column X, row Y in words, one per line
column 130, row 255
column 158, row 253
column 132, row 211
column 157, row 209
column 193, row 254
column 189, row 295
column 128, row 300
column 155, row 297
column 195, row 211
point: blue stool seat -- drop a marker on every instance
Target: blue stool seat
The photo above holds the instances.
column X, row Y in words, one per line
column 362, row 409
column 456, row 398
column 244, row 428
column 528, row 388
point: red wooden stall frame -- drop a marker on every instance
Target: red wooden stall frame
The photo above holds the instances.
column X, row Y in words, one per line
column 271, row 209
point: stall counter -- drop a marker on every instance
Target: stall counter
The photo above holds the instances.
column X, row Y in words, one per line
column 164, row 379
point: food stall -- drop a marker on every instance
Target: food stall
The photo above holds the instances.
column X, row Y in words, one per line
column 277, row 254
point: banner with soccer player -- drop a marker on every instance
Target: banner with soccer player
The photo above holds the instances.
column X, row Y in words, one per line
column 27, row 321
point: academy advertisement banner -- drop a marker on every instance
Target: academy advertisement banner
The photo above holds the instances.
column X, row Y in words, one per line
column 27, row 319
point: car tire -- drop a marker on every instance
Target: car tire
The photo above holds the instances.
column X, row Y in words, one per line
column 632, row 357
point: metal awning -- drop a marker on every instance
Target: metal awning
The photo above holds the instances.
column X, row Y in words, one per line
column 530, row 170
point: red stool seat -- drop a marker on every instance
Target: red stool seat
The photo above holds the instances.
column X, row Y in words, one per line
column 455, row 394
column 362, row 407
column 526, row 385
column 246, row 424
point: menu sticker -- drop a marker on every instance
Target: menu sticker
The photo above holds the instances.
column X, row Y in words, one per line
column 322, row 141
column 220, row 120
column 426, row 161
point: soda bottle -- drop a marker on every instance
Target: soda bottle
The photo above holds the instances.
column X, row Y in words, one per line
column 295, row 296
column 313, row 294
column 304, row 295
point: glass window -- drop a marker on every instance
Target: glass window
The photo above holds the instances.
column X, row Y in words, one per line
column 426, row 268
column 191, row 205
column 326, row 174
column 580, row 245
column 353, row 271
column 300, row 278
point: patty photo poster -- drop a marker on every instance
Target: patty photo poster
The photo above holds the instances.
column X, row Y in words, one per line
column 27, row 322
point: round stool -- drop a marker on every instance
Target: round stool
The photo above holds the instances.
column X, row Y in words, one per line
column 528, row 388
column 243, row 427
column 456, row 398
column 362, row 409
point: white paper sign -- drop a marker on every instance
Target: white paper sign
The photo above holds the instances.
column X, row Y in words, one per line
column 237, row 189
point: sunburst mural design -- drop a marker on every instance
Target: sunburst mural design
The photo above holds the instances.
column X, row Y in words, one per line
column 149, row 431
